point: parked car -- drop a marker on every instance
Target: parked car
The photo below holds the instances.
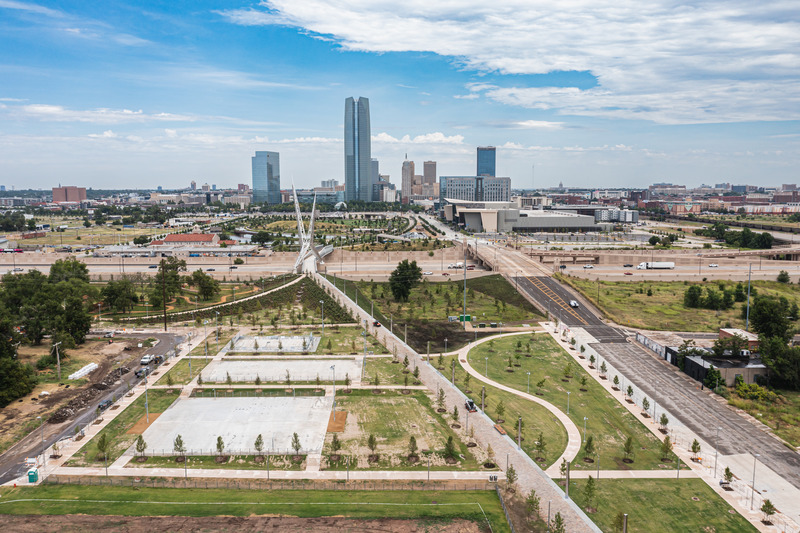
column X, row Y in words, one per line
column 105, row 405
column 562, row 266
column 427, row 273
column 146, row 360
column 234, row 266
column 470, row 406
column 376, row 324
column 109, row 335
column 142, row 372
column 573, row 303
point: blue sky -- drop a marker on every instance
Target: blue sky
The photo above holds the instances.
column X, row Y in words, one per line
column 139, row 94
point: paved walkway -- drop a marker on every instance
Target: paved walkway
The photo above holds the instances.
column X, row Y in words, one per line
column 573, row 433
column 530, row 476
column 632, row 474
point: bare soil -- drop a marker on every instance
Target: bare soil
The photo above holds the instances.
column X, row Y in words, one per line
column 142, row 424
column 339, row 424
column 183, row 524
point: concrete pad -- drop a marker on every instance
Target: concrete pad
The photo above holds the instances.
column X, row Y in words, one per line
column 276, row 343
column 239, row 421
column 275, row 369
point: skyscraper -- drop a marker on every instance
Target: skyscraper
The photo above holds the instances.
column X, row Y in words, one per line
column 357, row 150
column 486, row 161
column 407, row 180
column 429, row 172
column 267, row 177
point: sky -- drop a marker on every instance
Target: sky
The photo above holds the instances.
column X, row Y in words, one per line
column 601, row 93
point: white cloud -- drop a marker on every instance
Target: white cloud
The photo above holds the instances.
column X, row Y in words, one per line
column 470, row 96
column 32, row 8
column 656, row 60
column 108, row 134
column 537, row 125
column 428, row 138
column 57, row 113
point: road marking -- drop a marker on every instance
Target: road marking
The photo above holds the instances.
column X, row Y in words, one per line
column 547, row 291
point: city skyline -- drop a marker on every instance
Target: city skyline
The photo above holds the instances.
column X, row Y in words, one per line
column 150, row 94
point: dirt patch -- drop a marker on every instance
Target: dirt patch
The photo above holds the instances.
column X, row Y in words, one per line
column 338, row 425
column 250, row 524
column 141, row 425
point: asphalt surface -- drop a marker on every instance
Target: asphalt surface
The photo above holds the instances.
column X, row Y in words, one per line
column 12, row 462
column 700, row 411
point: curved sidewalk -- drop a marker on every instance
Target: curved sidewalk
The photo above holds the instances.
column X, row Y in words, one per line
column 573, row 433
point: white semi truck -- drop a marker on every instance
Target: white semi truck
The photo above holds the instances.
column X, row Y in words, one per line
column 656, row 265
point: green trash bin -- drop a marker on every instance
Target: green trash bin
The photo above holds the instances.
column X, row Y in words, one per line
column 33, row 475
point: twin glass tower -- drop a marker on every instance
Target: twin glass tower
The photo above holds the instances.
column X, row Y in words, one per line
column 357, row 150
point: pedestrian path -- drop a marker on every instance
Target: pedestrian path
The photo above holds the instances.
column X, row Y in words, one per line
column 633, row 474
column 573, row 433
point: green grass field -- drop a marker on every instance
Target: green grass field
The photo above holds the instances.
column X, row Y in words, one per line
column 536, row 417
column 608, row 421
column 393, row 418
column 116, row 430
column 342, row 339
column 782, row 415
column 623, row 303
column 425, row 506
column 214, row 346
column 180, row 371
column 388, row 373
column 663, row 505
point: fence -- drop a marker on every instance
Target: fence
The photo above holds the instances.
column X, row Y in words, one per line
column 262, row 484
column 505, row 510
column 248, row 393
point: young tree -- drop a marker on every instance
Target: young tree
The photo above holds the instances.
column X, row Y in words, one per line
column 178, row 446
column 591, row 360
column 450, row 451
column 372, row 443
column 728, row 475
column 455, row 413
column 559, row 526
column 318, row 381
column 200, row 379
column 220, row 445
column 288, row 379
column 336, row 444
column 466, row 381
column 663, row 421
column 440, row 399
column 629, row 392
column 412, row 446
column 588, row 447
column 228, row 379
column 376, row 381
column 403, row 278
column 627, row 447
column 259, row 443
column 347, row 381
column 405, row 361
column 568, row 370
column 500, row 410
column 490, row 453
column 532, row 504
column 619, row 521
column 540, row 384
column 102, row 444
column 695, row 448
column 584, row 380
column 258, row 380
column 645, row 404
column 768, row 509
column 616, row 382
column 589, row 492
column 541, row 445
column 603, row 369
column 141, row 445
column 511, row 476
column 666, row 448
column 296, row 446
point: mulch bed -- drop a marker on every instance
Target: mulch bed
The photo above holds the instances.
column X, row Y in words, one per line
column 141, row 459
column 219, row 459
column 472, row 444
column 489, row 465
column 413, row 458
column 455, row 426
column 374, row 458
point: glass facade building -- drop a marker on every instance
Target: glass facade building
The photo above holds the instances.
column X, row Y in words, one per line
column 486, row 161
column 267, row 177
column 357, row 150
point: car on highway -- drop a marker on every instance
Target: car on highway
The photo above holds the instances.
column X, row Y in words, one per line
column 146, row 360
column 211, row 270
column 573, row 303
column 627, row 265
column 470, row 406
column 562, row 266
column 713, row 265
column 233, row 267
column 105, row 405
column 427, row 273
column 153, row 266
column 445, row 273
column 588, row 266
column 629, row 273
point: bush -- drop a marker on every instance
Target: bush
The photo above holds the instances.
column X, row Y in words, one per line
column 755, row 392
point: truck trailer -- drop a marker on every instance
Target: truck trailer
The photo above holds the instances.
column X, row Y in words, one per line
column 656, row 265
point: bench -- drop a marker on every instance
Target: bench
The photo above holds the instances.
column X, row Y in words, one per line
column 500, row 429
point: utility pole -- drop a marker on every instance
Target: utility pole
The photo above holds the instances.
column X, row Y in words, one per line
column 747, row 318
column 464, row 317
column 164, row 291
column 58, row 360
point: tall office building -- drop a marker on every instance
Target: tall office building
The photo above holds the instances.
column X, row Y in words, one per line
column 267, row 177
column 429, row 173
column 407, row 180
column 69, row 194
column 374, row 179
column 357, row 150
column 474, row 188
column 486, row 161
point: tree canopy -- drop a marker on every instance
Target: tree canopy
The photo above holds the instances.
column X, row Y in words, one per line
column 403, row 278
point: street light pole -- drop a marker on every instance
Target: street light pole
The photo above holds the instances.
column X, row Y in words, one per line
column 486, row 371
column 716, row 451
column 584, row 428
column 333, row 369
column 529, row 382
column 322, row 305
column 41, row 425
column 568, row 393
column 753, row 493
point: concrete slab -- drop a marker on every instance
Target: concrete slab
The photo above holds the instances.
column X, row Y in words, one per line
column 275, row 369
column 239, row 421
column 276, row 343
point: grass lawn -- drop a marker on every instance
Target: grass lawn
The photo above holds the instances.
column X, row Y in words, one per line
column 608, row 421
column 393, row 418
column 180, row 371
column 536, row 418
column 414, row 246
column 116, row 431
column 71, row 499
column 489, row 299
column 624, row 304
column 662, row 505
column 235, row 462
column 782, row 415
column 214, row 346
column 389, row 373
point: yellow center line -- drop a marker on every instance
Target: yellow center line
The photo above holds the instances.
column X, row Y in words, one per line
column 547, row 291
